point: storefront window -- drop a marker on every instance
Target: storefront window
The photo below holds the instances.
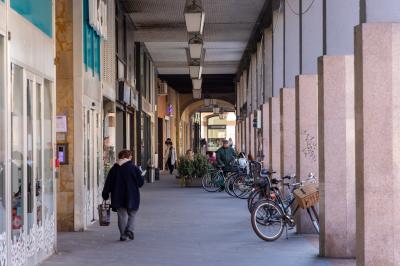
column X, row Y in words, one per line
column 2, row 137
column 39, row 153
column 29, row 158
column 17, row 151
column 48, row 186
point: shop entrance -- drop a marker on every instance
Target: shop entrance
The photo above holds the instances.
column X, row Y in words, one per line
column 32, row 195
column 92, row 144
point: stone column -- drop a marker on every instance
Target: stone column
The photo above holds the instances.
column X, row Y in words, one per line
column 252, row 135
column 247, row 134
column 306, row 137
column 336, row 156
column 267, row 63
column 288, row 131
column 377, row 123
column 265, row 125
column 275, row 134
column 278, row 50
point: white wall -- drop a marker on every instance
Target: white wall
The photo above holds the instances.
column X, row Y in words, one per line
column 31, row 48
column 267, row 64
column 292, row 46
column 277, row 51
column 340, row 32
column 2, row 18
column 312, row 27
column 382, row 10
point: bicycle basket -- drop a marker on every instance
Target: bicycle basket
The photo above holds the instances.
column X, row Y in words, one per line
column 104, row 214
column 307, row 196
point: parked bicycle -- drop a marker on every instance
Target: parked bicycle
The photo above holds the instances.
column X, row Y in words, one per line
column 271, row 216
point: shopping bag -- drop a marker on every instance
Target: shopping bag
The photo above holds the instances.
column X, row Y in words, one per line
column 104, row 214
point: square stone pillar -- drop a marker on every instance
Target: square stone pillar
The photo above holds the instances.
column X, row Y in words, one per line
column 288, row 131
column 275, row 134
column 247, row 134
column 336, row 156
column 377, row 123
column 252, row 136
column 306, row 138
column 265, row 125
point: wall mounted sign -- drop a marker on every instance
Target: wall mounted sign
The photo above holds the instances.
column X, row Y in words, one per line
column 61, row 123
column 98, row 16
column 170, row 110
column 216, row 127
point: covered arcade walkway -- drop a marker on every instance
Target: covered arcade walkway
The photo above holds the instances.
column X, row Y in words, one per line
column 186, row 226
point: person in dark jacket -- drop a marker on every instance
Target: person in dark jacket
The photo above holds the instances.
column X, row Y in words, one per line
column 123, row 182
column 225, row 155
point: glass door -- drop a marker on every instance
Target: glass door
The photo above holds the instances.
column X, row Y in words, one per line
column 27, row 167
column 92, row 139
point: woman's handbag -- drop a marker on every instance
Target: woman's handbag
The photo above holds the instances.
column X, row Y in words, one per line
column 104, row 214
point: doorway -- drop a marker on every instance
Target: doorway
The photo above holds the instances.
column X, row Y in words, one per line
column 92, row 159
column 31, row 178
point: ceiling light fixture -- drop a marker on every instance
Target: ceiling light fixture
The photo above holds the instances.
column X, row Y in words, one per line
column 196, row 47
column 194, row 16
column 197, row 83
column 197, row 94
column 195, row 69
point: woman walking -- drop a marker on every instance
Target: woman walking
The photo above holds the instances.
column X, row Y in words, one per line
column 123, row 182
column 170, row 155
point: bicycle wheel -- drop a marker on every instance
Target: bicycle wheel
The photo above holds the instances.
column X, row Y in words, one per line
column 254, row 197
column 314, row 218
column 210, row 182
column 267, row 220
column 241, row 187
column 229, row 185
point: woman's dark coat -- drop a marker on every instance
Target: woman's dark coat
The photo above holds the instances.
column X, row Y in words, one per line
column 123, row 182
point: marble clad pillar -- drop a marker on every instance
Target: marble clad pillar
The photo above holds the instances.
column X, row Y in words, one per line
column 377, row 138
column 288, row 132
column 306, row 138
column 265, row 125
column 252, row 136
column 275, row 133
column 336, row 156
column 247, row 134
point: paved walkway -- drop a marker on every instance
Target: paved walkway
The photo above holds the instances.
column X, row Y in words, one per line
column 186, row 226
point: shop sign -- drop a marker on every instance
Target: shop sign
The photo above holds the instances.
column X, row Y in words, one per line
column 216, row 127
column 170, row 110
column 61, row 123
column 98, row 16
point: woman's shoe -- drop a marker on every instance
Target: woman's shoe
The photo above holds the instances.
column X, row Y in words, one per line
column 123, row 238
column 130, row 234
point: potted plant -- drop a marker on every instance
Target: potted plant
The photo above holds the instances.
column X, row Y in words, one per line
column 185, row 169
column 200, row 167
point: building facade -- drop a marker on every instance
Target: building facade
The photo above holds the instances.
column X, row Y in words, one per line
column 27, row 136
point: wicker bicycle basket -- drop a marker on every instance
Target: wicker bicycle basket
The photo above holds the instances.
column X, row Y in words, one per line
column 307, row 196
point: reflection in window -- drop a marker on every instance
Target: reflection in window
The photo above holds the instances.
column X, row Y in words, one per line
column 17, row 141
column 48, row 198
column 2, row 135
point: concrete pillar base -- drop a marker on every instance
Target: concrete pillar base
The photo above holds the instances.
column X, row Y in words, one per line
column 306, row 138
column 275, row 133
column 266, row 134
column 336, row 156
column 288, row 133
column 377, row 123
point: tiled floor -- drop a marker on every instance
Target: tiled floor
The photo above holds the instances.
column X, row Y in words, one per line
column 186, row 226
